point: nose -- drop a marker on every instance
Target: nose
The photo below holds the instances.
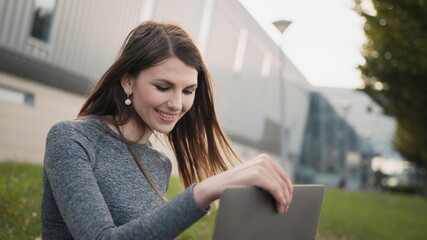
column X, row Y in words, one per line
column 174, row 102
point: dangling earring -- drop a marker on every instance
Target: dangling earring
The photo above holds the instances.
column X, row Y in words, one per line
column 128, row 101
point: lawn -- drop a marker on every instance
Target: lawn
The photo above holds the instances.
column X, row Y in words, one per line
column 359, row 215
column 345, row 215
column 20, row 195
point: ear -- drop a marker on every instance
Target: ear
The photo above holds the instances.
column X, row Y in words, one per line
column 127, row 84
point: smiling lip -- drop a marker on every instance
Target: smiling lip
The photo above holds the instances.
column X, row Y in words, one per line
column 167, row 117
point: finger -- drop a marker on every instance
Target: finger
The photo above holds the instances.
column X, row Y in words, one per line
column 277, row 168
column 279, row 175
column 284, row 186
column 285, row 189
column 280, row 207
column 267, row 182
column 270, row 177
column 284, row 176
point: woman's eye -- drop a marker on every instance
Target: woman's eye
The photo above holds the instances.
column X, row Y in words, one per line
column 162, row 89
column 188, row 92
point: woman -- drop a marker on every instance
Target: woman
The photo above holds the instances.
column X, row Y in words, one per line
column 102, row 177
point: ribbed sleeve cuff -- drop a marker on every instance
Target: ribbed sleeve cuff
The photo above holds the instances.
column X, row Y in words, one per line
column 191, row 187
column 176, row 215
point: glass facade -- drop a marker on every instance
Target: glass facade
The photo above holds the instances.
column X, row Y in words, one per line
column 332, row 150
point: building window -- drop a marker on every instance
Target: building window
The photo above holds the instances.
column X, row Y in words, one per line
column 16, row 96
column 43, row 12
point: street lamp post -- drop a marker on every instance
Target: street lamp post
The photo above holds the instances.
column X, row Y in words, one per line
column 345, row 144
column 282, row 25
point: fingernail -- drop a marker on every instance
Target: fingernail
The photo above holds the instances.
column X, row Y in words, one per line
column 282, row 209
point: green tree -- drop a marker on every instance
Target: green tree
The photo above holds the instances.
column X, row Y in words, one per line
column 395, row 69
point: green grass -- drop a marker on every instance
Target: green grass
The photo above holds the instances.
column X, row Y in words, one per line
column 202, row 229
column 345, row 215
column 20, row 197
column 359, row 215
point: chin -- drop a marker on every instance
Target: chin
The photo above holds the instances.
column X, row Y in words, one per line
column 164, row 129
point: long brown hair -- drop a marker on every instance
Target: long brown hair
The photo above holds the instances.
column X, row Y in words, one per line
column 201, row 148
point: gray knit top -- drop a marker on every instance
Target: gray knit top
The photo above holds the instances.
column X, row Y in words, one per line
column 93, row 189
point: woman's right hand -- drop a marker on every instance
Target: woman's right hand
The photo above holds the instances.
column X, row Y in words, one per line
column 260, row 171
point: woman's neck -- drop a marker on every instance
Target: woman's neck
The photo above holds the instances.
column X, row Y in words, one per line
column 131, row 130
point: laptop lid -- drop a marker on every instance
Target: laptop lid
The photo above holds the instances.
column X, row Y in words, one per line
column 250, row 213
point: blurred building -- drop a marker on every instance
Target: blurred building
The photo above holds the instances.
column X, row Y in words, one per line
column 51, row 52
column 333, row 152
column 369, row 121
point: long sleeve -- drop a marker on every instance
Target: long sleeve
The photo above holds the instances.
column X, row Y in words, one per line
column 70, row 177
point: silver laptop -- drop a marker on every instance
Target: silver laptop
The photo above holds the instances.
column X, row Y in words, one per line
column 250, row 213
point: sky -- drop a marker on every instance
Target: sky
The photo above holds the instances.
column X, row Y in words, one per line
column 324, row 40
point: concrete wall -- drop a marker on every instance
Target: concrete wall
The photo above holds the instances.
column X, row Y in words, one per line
column 85, row 35
column 23, row 128
column 244, row 61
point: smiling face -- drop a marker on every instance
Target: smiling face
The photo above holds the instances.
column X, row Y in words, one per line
column 162, row 94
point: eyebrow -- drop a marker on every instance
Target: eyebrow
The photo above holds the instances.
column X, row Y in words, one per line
column 173, row 84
